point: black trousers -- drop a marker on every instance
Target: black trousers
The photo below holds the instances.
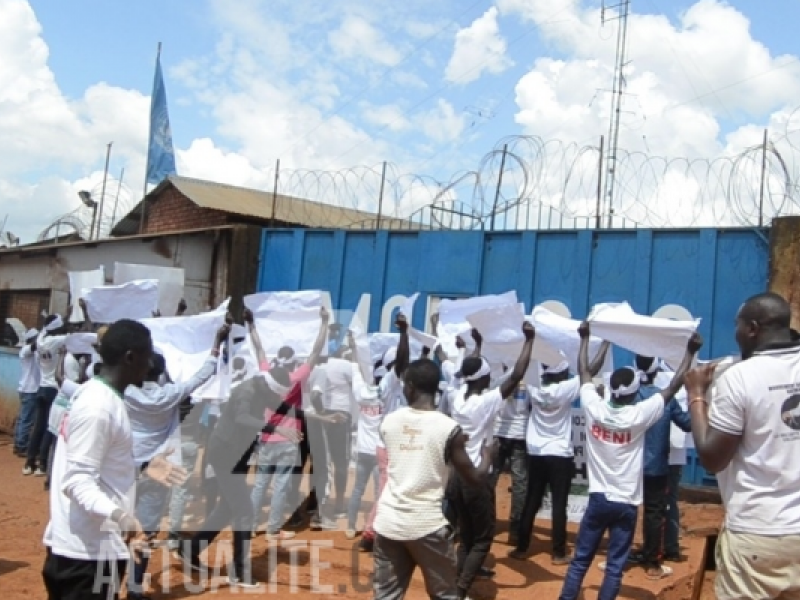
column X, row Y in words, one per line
column 340, row 437
column 318, row 446
column 234, row 508
column 557, row 473
column 475, row 508
column 41, row 439
column 73, row 579
column 655, row 519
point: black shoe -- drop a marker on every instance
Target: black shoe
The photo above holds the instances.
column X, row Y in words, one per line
column 636, row 558
column 296, row 521
column 673, row 558
column 137, row 596
column 484, row 573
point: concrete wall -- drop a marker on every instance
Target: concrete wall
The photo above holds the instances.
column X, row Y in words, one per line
column 9, row 380
column 47, row 268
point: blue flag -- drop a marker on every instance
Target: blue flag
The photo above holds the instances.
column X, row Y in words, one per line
column 160, row 153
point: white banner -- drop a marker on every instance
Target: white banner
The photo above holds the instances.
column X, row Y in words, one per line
column 298, row 329
column 81, row 343
column 185, row 342
column 171, row 283
column 562, row 333
column 640, row 334
column 264, row 303
column 79, row 281
column 133, row 300
column 453, row 317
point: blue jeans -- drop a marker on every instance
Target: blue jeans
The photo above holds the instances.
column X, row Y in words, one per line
column 177, row 501
column 672, row 546
column 27, row 412
column 41, row 439
column 151, row 502
column 366, row 467
column 601, row 515
column 276, row 460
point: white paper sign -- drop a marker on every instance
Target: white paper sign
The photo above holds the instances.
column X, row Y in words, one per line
column 80, row 280
column 453, row 317
column 185, row 342
column 643, row 335
column 298, row 329
column 81, row 343
column 170, row 283
column 133, row 300
column 379, row 343
column 363, row 352
column 268, row 302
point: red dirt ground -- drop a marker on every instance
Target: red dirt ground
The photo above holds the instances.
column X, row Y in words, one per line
column 23, row 516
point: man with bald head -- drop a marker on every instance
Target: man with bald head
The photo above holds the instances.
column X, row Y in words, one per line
column 740, row 434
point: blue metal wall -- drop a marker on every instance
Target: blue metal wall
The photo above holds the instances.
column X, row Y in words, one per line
column 707, row 271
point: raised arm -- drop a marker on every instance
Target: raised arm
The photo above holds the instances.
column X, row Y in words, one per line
column 510, row 385
column 584, row 371
column 476, row 335
column 599, row 359
column 87, row 322
column 438, row 351
column 403, row 358
column 182, row 306
column 319, row 343
column 261, row 356
column 694, row 345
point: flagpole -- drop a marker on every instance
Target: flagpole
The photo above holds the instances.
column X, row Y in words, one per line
column 147, row 163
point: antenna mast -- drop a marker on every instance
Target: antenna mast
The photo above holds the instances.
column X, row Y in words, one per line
column 617, row 94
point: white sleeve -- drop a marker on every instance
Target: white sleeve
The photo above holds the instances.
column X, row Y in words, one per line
column 562, row 393
column 72, row 369
column 727, row 411
column 25, row 351
column 589, row 395
column 86, row 441
column 69, row 387
column 493, row 403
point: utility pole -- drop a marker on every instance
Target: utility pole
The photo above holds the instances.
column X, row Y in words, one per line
column 617, row 94
column 103, row 192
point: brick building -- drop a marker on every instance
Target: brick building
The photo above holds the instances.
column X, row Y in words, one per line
column 181, row 203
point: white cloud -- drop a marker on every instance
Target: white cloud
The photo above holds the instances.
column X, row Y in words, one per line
column 478, row 48
column 359, row 39
column 389, row 115
column 442, row 124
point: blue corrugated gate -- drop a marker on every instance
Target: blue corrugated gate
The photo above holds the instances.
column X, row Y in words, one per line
column 706, row 272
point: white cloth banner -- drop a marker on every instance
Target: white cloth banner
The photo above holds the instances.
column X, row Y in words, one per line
column 453, row 315
column 83, row 280
column 417, row 337
column 185, row 342
column 264, row 303
column 81, row 343
column 171, row 283
column 132, row 300
column 644, row 335
column 562, row 333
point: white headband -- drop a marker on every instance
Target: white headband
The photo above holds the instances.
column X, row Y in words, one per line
column 57, row 323
column 631, row 389
column 559, row 368
column 380, row 372
column 31, row 333
column 654, row 366
column 482, row 372
column 282, row 362
column 276, row 387
column 369, row 393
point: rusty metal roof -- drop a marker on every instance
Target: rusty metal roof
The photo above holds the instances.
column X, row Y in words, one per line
column 257, row 204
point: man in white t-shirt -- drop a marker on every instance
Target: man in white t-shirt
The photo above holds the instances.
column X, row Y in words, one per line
column 615, row 432
column 475, row 408
column 744, row 438
column 551, row 463
column 48, row 347
column 396, row 360
column 29, row 376
column 94, row 476
column 412, row 531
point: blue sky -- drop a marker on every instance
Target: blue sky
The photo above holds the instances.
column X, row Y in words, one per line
column 429, row 87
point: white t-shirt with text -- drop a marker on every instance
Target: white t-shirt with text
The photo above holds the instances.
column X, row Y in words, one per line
column 615, row 444
column 48, row 347
column 391, row 394
column 756, row 399
column 29, row 374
